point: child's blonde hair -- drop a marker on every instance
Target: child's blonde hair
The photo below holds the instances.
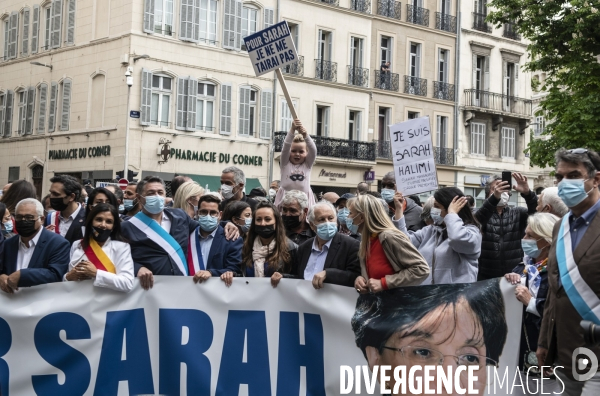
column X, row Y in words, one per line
column 298, row 138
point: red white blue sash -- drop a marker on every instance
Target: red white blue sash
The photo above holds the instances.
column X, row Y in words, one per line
column 194, row 257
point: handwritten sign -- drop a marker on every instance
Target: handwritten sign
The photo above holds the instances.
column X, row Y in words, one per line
column 412, row 152
column 271, row 48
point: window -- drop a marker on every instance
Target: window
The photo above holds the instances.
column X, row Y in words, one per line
column 295, row 31
column 481, row 80
column 65, row 113
column 161, row 99
column 442, row 132
column 22, row 97
column 354, row 120
column 540, row 124
column 445, row 7
column 249, row 21
column 247, row 111
column 508, row 143
column 413, row 114
column 356, row 52
column 163, row 17
column 415, row 60
column 477, row 138
column 47, row 25
column 443, row 66
column 325, row 45
column 479, row 73
column 509, row 85
column 25, row 15
column 386, row 49
column 322, row 120
column 383, row 133
column 42, row 104
column 13, row 173
column 286, row 114
column 481, row 7
column 208, row 21
column 205, row 107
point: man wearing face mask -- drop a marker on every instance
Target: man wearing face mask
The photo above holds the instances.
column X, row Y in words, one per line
column 36, row 256
column 573, row 272
column 273, row 189
column 130, row 202
column 233, row 181
column 502, row 226
column 69, row 215
column 412, row 211
column 330, row 257
column 342, row 215
column 294, row 208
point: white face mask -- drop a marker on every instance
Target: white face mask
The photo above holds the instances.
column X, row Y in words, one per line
column 504, row 199
column 226, row 191
column 436, row 216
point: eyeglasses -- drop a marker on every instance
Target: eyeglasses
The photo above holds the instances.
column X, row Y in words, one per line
column 26, row 218
column 430, row 357
column 212, row 213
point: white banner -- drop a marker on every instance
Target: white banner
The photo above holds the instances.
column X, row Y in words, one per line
column 250, row 339
column 271, row 48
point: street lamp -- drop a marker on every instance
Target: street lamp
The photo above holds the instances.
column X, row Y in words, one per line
column 129, row 81
column 136, row 58
column 41, row 64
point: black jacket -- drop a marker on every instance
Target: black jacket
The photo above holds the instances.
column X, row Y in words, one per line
column 341, row 265
column 502, row 233
column 245, row 198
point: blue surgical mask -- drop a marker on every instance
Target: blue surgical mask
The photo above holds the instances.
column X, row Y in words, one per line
column 326, row 231
column 128, row 204
column 8, row 227
column 343, row 214
column 387, row 194
column 572, row 191
column 436, row 216
column 351, row 226
column 154, row 204
column 246, row 226
column 121, row 208
column 530, row 248
column 208, row 223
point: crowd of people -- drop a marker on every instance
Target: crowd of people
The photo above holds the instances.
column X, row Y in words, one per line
column 371, row 241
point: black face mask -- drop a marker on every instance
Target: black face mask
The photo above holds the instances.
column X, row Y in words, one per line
column 291, row 222
column 265, row 231
column 100, row 235
column 58, row 204
column 26, row 228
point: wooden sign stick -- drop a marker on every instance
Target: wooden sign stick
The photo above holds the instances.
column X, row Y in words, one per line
column 286, row 93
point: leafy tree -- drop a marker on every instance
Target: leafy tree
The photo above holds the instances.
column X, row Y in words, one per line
column 564, row 42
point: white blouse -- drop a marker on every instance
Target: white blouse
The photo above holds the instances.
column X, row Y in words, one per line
column 120, row 255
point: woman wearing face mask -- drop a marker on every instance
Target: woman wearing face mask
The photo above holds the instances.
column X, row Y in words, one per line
column 531, row 280
column 7, row 222
column 102, row 255
column 187, row 197
column 387, row 257
column 240, row 214
column 452, row 244
column 267, row 251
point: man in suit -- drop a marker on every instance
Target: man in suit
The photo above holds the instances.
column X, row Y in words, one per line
column 330, row 257
column 577, row 233
column 34, row 257
column 65, row 193
column 213, row 254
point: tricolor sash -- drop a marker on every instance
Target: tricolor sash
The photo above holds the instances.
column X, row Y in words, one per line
column 195, row 261
column 583, row 298
column 162, row 238
column 97, row 257
column 54, row 219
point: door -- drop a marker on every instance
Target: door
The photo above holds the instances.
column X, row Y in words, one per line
column 37, row 176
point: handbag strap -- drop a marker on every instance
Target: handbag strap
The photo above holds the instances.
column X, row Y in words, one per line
column 526, row 337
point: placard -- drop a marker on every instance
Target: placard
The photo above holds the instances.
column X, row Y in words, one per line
column 271, row 48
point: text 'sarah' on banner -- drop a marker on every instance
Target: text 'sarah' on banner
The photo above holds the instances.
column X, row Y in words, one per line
column 412, row 152
column 271, row 48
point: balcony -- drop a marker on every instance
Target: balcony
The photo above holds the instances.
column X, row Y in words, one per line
column 510, row 31
column 388, row 81
column 389, row 9
column 415, row 86
column 498, row 103
column 326, row 70
column 361, row 6
column 480, row 24
column 417, row 15
column 336, row 148
column 444, row 91
column 296, row 68
column 358, row 76
column 442, row 156
column 445, row 22
column 331, row 2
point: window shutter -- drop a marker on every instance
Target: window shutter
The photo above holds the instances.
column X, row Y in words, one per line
column 71, row 22
column 181, row 103
column 266, row 113
column 25, row 35
column 438, row 137
column 486, row 74
column 269, row 17
column 56, row 29
column 8, row 110
column 148, row 19
column 192, row 93
column 326, row 122
column 418, row 74
column 320, row 54
column 475, row 72
column 357, row 125
column 186, row 20
column 42, row 116
column 23, row 115
column 66, row 105
column 13, row 35
column 2, row 113
column 244, row 126
column 52, row 110
column 35, row 29
column 330, row 46
column 146, row 99
column 238, row 24
column 225, row 109
column 6, row 38
column 515, row 92
column 229, row 24
column 196, row 21
column 30, row 110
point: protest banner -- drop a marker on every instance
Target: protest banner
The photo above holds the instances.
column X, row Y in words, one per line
column 181, row 338
column 269, row 50
column 412, row 153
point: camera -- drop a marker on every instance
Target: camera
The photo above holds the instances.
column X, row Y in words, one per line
column 591, row 332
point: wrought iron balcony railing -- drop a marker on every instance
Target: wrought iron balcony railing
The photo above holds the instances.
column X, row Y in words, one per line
column 361, row 6
column 331, row 2
column 510, row 31
column 442, row 90
column 480, row 24
column 336, row 148
column 296, row 68
column 417, row 15
column 326, row 70
column 358, row 76
column 498, row 102
column 386, row 80
column 415, row 86
column 389, row 9
column 445, row 22
column 441, row 155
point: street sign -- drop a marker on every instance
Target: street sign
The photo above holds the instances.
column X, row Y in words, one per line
column 271, row 48
column 123, row 183
column 134, row 114
column 370, row 176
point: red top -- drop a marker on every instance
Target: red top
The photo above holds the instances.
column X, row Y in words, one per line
column 378, row 266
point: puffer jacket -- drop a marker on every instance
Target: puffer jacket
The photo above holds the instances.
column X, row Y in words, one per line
column 502, row 233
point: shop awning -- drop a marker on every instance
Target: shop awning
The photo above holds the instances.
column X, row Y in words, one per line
column 214, row 182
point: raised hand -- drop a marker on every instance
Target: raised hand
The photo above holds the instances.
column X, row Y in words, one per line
column 521, row 185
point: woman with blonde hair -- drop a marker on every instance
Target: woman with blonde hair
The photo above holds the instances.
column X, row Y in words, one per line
column 387, row 257
column 187, row 197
